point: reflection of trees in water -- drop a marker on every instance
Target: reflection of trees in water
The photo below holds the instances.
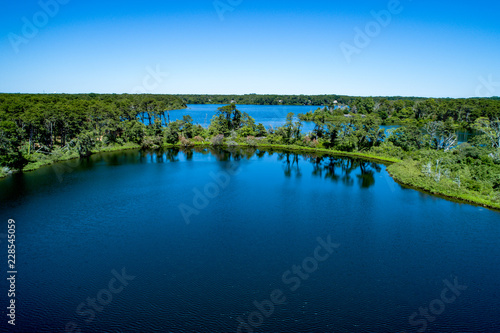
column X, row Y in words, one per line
column 227, row 158
column 260, row 153
column 342, row 169
column 335, row 169
column 328, row 168
column 159, row 156
column 188, row 153
column 367, row 176
column 111, row 158
column 171, row 155
column 226, row 155
column 290, row 164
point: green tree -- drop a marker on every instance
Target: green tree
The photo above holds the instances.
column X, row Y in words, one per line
column 408, row 137
column 172, row 132
column 85, row 142
column 10, row 141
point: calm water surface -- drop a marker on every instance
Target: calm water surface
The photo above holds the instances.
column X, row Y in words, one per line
column 200, row 240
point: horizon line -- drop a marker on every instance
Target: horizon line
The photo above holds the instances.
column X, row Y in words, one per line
column 246, row 94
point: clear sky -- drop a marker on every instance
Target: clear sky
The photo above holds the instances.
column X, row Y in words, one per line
column 422, row 48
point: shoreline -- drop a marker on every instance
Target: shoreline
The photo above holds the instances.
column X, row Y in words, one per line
column 457, row 199
column 461, row 198
column 39, row 164
column 387, row 161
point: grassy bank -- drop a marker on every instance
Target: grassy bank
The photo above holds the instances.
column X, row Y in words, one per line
column 299, row 149
column 38, row 160
column 126, row 146
column 409, row 173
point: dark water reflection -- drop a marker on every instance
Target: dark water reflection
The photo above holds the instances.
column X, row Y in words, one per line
column 256, row 215
column 350, row 171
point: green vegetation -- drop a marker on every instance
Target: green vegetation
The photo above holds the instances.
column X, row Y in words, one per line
column 463, row 112
column 467, row 173
column 37, row 130
column 432, row 161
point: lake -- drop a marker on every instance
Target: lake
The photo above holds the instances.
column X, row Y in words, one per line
column 236, row 240
column 268, row 115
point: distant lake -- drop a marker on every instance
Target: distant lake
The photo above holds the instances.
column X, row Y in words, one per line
column 202, row 241
column 268, row 115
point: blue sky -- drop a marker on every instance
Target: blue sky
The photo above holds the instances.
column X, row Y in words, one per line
column 430, row 49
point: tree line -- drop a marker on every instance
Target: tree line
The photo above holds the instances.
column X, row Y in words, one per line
column 40, row 123
column 254, row 99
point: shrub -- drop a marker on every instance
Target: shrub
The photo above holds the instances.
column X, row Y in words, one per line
column 151, row 142
column 218, row 140
column 274, row 139
column 310, row 143
column 171, row 135
column 232, row 139
column 251, row 141
column 185, row 142
column 246, row 131
column 389, row 149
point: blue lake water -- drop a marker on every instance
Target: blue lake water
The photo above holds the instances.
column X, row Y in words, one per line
column 268, row 115
column 244, row 241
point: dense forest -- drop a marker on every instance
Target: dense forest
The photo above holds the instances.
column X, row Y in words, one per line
column 44, row 128
column 424, row 150
column 461, row 111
